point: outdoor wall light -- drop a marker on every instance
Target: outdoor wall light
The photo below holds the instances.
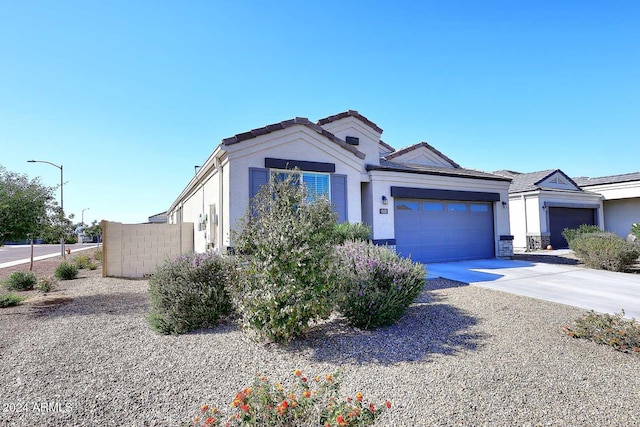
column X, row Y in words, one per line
column 544, row 207
column 504, row 205
column 385, row 200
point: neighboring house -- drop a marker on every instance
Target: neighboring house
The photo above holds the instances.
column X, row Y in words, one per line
column 544, row 203
column 621, row 194
column 159, row 218
column 415, row 199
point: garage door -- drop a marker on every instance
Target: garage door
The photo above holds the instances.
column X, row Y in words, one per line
column 561, row 218
column 444, row 230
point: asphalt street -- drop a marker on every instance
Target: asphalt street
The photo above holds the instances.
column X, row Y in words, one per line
column 14, row 254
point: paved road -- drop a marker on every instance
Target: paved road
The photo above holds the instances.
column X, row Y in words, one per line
column 599, row 290
column 16, row 254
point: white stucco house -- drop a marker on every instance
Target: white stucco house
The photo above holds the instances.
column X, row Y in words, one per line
column 415, row 199
column 544, row 203
column 621, row 199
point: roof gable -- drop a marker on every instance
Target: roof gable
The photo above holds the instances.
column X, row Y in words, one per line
column 298, row 121
column 422, row 154
column 350, row 113
column 551, row 179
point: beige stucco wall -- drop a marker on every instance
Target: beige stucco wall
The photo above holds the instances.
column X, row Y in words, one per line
column 135, row 250
column 295, row 143
column 619, row 215
column 369, row 137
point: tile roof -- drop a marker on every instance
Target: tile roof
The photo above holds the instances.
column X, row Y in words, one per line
column 254, row 133
column 522, row 182
column 350, row 113
column 387, row 146
column 613, row 179
column 419, row 145
column 459, row 172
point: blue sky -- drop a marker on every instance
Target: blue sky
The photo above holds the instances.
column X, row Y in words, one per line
column 129, row 95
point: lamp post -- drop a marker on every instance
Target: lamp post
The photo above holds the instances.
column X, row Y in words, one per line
column 82, row 215
column 62, row 253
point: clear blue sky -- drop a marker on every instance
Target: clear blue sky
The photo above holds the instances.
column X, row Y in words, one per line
column 130, row 95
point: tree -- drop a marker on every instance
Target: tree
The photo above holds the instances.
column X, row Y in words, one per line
column 23, row 205
column 56, row 226
column 94, row 230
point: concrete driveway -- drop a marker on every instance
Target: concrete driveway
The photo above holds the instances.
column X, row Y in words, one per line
column 602, row 291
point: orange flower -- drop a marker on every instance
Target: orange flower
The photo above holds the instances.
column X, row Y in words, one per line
column 388, row 404
column 245, row 408
column 329, row 377
column 196, row 419
column 341, row 421
column 284, row 404
column 372, row 408
column 210, row 421
column 359, row 396
column 349, row 399
column 235, row 403
column 292, row 396
column 306, row 393
column 297, row 373
column 204, row 408
column 303, row 379
column 316, row 378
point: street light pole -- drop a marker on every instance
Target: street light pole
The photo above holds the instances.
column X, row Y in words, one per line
column 62, row 252
column 82, row 215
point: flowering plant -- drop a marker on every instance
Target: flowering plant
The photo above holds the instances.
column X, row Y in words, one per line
column 375, row 285
column 189, row 292
column 313, row 402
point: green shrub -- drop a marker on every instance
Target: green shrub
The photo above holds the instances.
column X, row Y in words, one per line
column 605, row 251
column 571, row 233
column 92, row 266
column 312, row 402
column 66, row 271
column 189, row 292
column 98, row 255
column 614, row 330
column 46, row 284
column 9, row 300
column 82, row 261
column 283, row 242
column 374, row 285
column 346, row 231
column 635, row 229
column 21, row 281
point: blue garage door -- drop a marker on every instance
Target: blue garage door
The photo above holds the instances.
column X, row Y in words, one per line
column 444, row 230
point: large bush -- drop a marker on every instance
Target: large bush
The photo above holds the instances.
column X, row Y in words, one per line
column 635, row 230
column 21, row 281
column 375, row 286
column 189, row 292
column 284, row 241
column 605, row 251
column 571, row 233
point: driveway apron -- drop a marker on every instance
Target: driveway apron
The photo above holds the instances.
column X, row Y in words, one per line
column 602, row 291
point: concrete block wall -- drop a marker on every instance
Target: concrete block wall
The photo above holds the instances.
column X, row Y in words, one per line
column 135, row 250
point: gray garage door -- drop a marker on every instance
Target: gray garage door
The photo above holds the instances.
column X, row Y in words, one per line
column 439, row 230
column 561, row 218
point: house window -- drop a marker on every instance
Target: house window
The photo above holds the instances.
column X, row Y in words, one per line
column 318, row 184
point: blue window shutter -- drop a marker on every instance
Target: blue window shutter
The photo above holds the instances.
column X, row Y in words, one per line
column 257, row 178
column 339, row 196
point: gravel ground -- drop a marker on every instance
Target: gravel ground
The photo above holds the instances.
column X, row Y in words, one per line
column 462, row 355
